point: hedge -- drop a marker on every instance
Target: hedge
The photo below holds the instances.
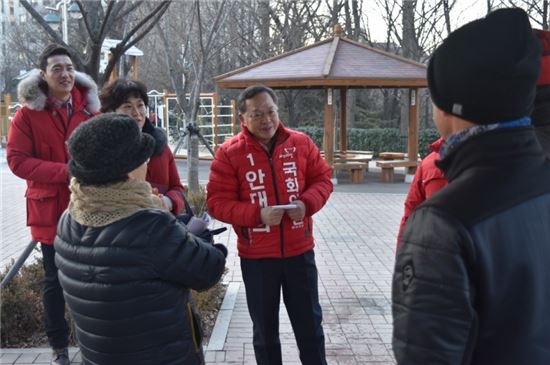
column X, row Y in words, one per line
column 377, row 139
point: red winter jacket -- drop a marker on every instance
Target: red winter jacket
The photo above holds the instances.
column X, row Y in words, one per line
column 427, row 181
column 162, row 172
column 36, row 149
column 244, row 178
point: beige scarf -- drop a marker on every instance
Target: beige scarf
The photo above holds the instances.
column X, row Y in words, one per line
column 98, row 206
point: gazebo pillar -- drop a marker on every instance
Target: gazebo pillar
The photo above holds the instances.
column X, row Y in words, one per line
column 234, row 117
column 343, row 127
column 134, row 67
column 328, row 136
column 412, row 148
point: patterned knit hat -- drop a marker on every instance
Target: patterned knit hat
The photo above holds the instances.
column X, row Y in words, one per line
column 106, row 148
column 485, row 71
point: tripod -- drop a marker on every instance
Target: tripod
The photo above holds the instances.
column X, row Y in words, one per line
column 192, row 129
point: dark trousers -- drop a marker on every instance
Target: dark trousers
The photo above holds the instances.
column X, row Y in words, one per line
column 297, row 276
column 54, row 303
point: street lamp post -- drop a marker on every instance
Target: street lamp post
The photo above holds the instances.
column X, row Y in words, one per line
column 61, row 8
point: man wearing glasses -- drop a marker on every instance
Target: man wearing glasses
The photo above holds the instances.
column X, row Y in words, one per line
column 267, row 182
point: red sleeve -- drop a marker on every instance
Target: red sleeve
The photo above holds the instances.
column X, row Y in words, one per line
column 427, row 181
column 21, row 157
column 318, row 183
column 433, row 179
column 223, row 195
column 415, row 196
column 434, row 185
column 175, row 188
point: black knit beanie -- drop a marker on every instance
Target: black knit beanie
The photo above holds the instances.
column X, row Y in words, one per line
column 106, row 148
column 486, row 71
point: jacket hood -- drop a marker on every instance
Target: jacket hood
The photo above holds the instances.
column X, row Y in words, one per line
column 499, row 146
column 436, row 146
column 32, row 96
column 158, row 134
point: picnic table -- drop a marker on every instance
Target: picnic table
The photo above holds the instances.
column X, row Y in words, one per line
column 355, row 162
column 391, row 160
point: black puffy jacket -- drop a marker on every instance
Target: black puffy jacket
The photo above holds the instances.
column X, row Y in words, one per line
column 127, row 286
column 472, row 278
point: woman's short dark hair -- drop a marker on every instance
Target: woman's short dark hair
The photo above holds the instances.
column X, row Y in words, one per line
column 117, row 92
column 251, row 92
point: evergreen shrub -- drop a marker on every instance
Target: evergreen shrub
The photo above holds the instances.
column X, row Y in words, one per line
column 376, row 139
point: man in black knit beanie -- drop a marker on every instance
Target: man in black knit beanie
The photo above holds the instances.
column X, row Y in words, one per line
column 471, row 283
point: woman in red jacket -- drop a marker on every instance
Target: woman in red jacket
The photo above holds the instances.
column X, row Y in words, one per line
column 427, row 181
column 130, row 97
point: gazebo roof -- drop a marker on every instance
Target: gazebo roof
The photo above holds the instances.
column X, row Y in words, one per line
column 335, row 62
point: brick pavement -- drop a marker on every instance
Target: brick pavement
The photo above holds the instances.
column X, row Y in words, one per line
column 14, row 235
column 355, row 235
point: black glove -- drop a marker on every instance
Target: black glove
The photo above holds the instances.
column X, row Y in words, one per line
column 208, row 234
column 222, row 248
column 184, row 218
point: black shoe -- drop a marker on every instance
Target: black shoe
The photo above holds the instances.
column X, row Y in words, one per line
column 60, row 357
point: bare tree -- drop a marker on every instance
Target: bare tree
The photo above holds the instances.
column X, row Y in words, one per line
column 176, row 48
column 204, row 48
column 538, row 10
column 98, row 22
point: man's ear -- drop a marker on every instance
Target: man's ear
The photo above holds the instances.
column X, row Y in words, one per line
column 41, row 73
column 241, row 119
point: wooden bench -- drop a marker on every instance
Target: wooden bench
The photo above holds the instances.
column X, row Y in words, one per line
column 356, row 169
column 389, row 165
column 352, row 158
column 392, row 155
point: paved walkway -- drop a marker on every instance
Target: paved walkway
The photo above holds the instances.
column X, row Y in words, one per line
column 355, row 235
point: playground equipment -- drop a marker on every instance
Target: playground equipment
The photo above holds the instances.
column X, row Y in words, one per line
column 7, row 109
column 215, row 121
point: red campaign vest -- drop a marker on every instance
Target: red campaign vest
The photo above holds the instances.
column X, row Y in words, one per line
column 295, row 170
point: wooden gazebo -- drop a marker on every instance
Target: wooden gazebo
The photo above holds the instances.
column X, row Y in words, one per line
column 336, row 63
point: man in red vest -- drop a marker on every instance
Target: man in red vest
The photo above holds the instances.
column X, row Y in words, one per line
column 268, row 181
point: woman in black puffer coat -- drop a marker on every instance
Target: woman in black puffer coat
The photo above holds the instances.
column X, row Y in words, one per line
column 126, row 265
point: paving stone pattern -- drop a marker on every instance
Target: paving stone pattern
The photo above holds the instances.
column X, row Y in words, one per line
column 355, row 247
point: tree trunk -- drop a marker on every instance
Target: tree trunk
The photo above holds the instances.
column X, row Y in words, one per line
column 446, row 13
column 263, row 15
column 410, row 49
column 192, row 138
column 545, row 15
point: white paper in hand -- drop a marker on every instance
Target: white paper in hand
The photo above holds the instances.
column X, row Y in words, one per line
column 284, row 206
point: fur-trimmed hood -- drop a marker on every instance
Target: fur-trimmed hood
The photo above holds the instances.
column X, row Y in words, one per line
column 32, row 96
column 158, row 134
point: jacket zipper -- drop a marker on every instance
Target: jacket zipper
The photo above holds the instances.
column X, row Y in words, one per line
column 281, row 233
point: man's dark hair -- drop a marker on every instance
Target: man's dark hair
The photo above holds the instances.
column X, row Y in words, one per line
column 117, row 92
column 251, row 92
column 52, row 49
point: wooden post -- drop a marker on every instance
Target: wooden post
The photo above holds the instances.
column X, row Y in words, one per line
column 412, row 149
column 5, row 118
column 215, row 119
column 234, row 116
column 343, row 126
column 134, row 68
column 165, row 117
column 328, row 136
column 114, row 73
